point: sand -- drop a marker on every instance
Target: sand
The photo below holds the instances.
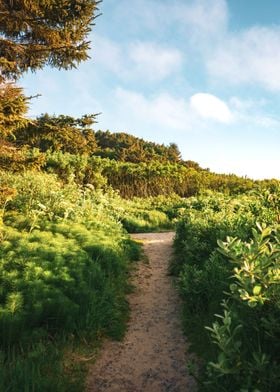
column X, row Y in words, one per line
column 153, row 355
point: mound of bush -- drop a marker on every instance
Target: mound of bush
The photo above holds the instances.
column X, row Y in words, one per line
column 64, row 263
column 228, row 276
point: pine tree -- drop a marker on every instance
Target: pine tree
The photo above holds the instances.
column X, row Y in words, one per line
column 59, row 133
column 13, row 107
column 34, row 33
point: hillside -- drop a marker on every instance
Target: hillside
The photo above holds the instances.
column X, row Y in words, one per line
column 69, row 147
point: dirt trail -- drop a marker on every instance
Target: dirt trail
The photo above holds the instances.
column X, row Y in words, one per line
column 152, row 357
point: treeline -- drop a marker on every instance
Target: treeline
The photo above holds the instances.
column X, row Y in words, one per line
column 76, row 136
column 130, row 179
column 70, row 147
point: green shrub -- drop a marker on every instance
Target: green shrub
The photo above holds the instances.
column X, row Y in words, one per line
column 247, row 333
column 64, row 263
column 234, row 287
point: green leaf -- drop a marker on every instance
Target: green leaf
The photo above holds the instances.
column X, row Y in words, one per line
column 221, row 244
column 257, row 290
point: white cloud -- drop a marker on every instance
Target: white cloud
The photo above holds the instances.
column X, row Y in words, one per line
column 162, row 111
column 107, row 53
column 253, row 112
column 165, row 113
column 153, row 61
column 154, row 16
column 203, row 17
column 142, row 59
column 245, row 57
column 241, row 104
column 249, row 57
column 209, row 106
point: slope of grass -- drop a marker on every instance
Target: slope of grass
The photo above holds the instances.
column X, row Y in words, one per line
column 64, row 267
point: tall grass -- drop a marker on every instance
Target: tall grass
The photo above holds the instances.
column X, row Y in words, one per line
column 64, row 264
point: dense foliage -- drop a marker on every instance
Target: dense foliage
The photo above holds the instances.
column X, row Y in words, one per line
column 69, row 146
column 234, row 286
column 64, row 264
column 67, row 195
column 59, row 133
column 130, row 179
column 36, row 33
column 13, row 108
column 127, row 148
column 75, row 135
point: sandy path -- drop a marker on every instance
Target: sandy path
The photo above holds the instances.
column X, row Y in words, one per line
column 152, row 356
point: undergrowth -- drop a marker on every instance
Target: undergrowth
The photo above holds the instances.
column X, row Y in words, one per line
column 227, row 265
column 64, row 268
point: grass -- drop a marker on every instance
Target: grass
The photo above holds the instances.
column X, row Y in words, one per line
column 65, row 262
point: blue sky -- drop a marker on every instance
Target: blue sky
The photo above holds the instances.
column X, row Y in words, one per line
column 204, row 74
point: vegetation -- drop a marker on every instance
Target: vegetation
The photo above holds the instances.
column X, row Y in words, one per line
column 65, row 258
column 34, row 34
column 63, row 274
column 38, row 33
column 127, row 148
column 130, row 165
column 69, row 195
column 232, row 289
column 13, row 107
